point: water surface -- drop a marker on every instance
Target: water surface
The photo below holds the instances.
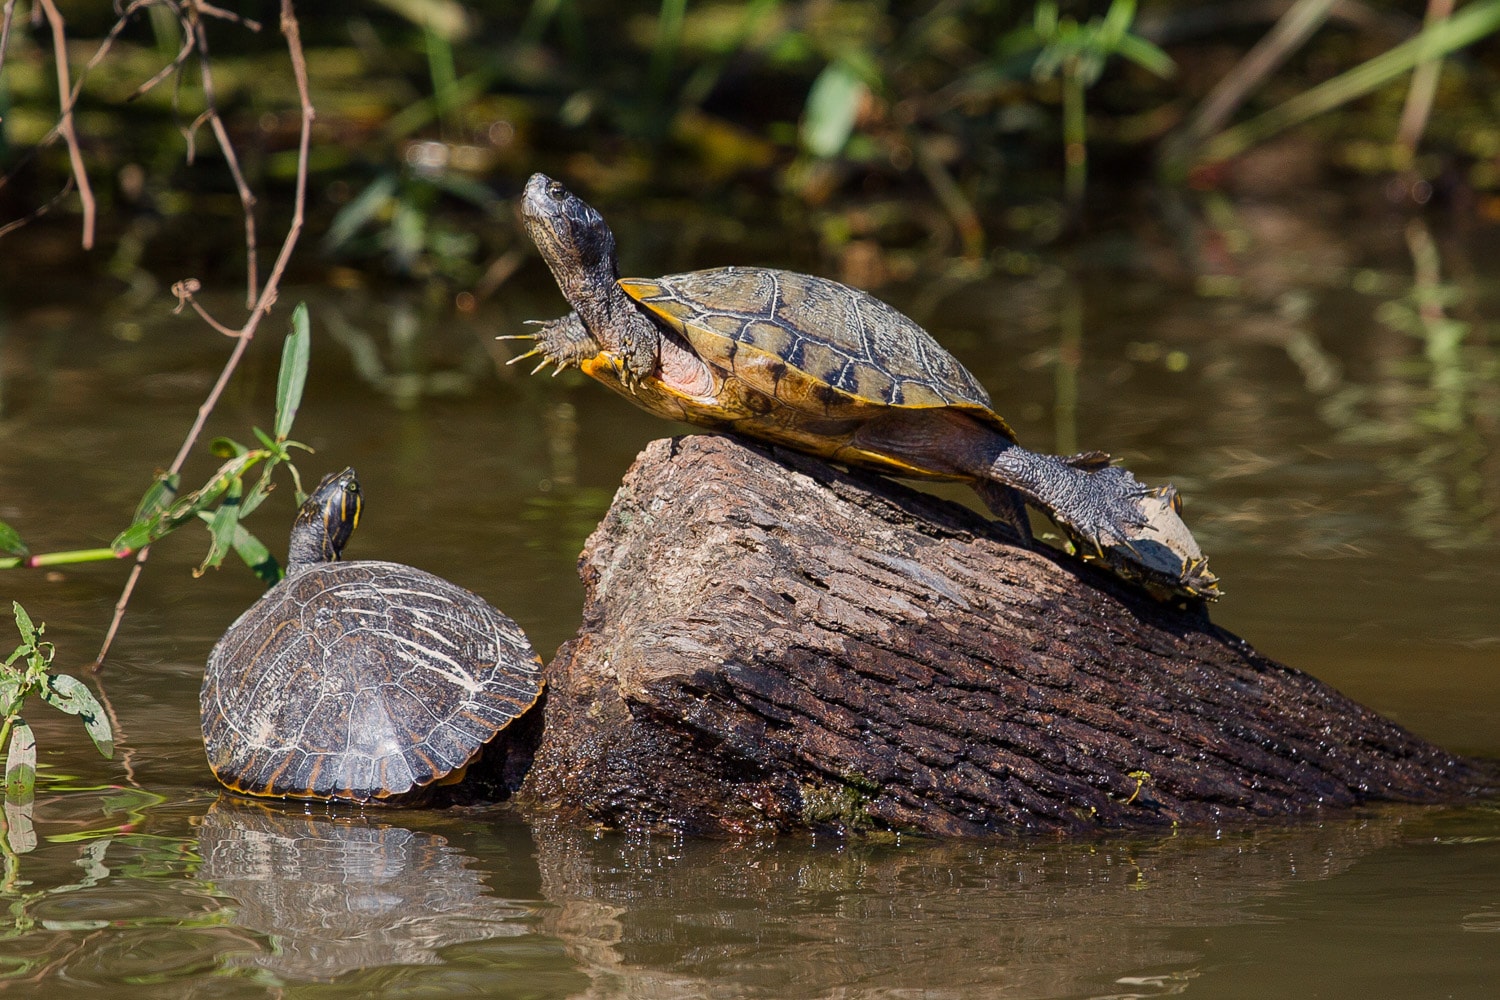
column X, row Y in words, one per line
column 1340, row 472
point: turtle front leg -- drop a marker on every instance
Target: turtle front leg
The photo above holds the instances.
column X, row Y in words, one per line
column 639, row 349
column 564, row 342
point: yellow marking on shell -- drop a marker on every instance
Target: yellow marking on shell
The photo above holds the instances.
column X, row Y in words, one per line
column 918, row 394
column 872, row 384
column 768, row 337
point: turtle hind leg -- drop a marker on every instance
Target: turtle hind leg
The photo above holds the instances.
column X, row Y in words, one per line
column 1111, row 517
column 1007, row 504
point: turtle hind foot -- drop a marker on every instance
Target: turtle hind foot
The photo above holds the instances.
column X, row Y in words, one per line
column 1149, row 544
column 1113, row 519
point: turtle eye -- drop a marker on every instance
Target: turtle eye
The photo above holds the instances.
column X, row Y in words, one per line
column 556, row 190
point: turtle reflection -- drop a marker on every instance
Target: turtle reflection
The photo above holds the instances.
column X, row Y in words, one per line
column 335, row 894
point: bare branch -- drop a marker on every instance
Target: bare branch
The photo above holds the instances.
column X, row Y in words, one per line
column 65, row 125
column 194, row 27
column 291, row 31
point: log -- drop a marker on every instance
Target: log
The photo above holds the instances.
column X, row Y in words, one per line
column 771, row 644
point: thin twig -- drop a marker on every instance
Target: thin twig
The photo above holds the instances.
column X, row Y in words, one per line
column 185, row 290
column 293, row 35
column 65, row 97
column 247, row 197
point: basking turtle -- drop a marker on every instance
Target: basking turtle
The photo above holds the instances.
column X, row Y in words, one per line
column 815, row 365
column 358, row 680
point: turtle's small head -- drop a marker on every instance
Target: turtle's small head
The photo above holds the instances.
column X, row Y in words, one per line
column 327, row 518
column 572, row 237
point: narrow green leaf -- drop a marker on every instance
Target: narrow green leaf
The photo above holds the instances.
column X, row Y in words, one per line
column 255, row 555
column 257, row 493
column 158, row 497
column 228, row 478
column 270, row 444
column 23, row 623
column 832, row 107
column 11, row 543
column 293, row 375
column 1147, row 56
column 20, row 765
column 221, row 527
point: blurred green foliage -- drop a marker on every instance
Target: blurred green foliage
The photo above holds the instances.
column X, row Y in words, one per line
column 911, row 127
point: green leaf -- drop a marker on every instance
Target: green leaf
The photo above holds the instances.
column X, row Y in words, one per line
column 1147, row 56
column 68, row 694
column 832, row 107
column 22, row 832
column 269, row 443
column 255, row 555
column 135, row 537
column 10, row 542
column 366, row 206
column 20, row 765
column 293, row 375
column 221, row 525
column 158, row 497
column 23, row 623
column 12, row 690
column 257, row 493
column 223, row 447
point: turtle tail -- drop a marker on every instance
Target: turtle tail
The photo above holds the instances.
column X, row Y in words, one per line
column 1112, row 518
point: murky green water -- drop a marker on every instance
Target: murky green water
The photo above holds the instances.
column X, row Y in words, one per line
column 1344, row 476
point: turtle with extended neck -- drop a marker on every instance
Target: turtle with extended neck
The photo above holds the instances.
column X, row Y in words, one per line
column 362, row 680
column 812, row 364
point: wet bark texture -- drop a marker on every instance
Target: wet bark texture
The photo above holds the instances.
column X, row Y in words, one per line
column 772, row 644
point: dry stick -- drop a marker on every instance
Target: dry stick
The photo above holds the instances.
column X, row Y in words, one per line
column 290, row 29
column 65, row 96
column 1424, row 81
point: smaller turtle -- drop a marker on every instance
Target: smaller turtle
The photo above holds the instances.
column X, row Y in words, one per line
column 805, row 362
column 360, row 680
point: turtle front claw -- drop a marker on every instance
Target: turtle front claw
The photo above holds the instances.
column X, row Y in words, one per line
column 563, row 342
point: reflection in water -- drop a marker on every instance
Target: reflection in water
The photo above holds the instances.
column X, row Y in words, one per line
column 647, row 918
column 341, row 893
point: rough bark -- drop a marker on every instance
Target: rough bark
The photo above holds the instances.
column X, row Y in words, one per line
column 771, row 644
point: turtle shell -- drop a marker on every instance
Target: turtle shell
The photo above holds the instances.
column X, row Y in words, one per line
column 361, row 680
column 812, row 343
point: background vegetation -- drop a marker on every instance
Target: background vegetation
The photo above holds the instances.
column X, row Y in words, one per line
column 885, row 138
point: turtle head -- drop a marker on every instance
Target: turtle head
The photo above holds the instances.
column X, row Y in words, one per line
column 573, row 238
column 326, row 520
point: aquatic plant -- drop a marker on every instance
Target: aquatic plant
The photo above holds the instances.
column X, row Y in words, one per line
column 27, row 672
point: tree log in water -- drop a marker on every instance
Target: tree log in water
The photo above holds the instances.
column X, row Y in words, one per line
column 772, row 644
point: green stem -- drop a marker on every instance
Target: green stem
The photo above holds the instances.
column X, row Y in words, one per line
column 664, row 53
column 1075, row 140
column 61, row 558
